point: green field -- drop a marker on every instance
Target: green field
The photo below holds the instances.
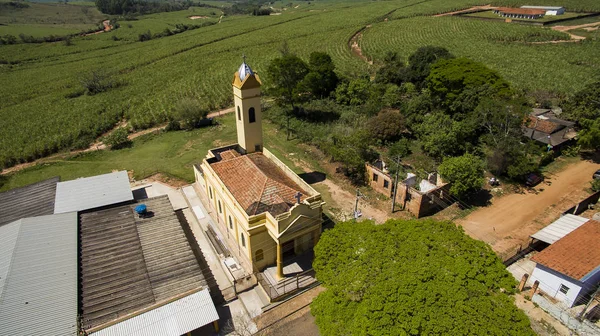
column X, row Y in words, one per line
column 44, row 19
column 42, row 109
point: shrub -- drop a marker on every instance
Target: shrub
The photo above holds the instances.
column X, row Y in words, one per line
column 97, row 81
column 173, row 125
column 189, row 112
column 117, row 139
column 595, row 184
column 147, row 36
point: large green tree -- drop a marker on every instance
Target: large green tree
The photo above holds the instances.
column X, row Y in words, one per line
column 419, row 63
column 321, row 79
column 584, row 104
column 284, row 76
column 464, row 172
column 410, row 277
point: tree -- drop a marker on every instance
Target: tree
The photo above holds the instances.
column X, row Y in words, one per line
column 285, row 75
column 387, row 126
column 97, row 81
column 355, row 92
column 442, row 136
column 189, row 113
column 460, row 83
column 419, row 63
column 412, row 277
column 392, row 71
column 117, row 139
column 321, row 79
column 464, row 172
column 589, row 137
column 585, row 104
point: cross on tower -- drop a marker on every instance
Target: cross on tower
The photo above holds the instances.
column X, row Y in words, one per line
column 298, row 195
column 244, row 57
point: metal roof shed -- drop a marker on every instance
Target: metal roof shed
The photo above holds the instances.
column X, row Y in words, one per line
column 92, row 192
column 173, row 319
column 559, row 228
column 38, row 276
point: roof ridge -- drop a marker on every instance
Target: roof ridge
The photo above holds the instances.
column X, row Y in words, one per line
column 262, row 192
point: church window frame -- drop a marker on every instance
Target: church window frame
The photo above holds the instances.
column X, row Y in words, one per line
column 251, row 115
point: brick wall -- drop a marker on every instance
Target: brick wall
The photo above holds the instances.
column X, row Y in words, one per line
column 378, row 180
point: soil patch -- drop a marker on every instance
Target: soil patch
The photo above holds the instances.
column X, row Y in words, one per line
column 353, row 44
column 196, row 17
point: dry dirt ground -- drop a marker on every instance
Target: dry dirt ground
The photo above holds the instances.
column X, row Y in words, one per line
column 510, row 219
column 468, row 10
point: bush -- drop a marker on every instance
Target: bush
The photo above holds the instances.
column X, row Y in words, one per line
column 189, row 113
column 595, row 184
column 117, row 139
column 173, row 125
column 97, row 81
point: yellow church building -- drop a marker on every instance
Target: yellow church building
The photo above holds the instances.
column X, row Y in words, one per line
column 260, row 203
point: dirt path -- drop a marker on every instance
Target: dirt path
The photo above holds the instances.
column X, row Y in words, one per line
column 98, row 145
column 565, row 29
column 510, row 219
column 353, row 44
column 467, row 10
column 107, row 27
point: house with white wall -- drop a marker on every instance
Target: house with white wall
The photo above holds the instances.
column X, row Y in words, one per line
column 569, row 269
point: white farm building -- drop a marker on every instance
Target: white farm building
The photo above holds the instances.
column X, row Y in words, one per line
column 549, row 9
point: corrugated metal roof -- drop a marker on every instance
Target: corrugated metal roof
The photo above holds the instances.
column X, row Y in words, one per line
column 92, row 192
column 559, row 228
column 36, row 199
column 173, row 319
column 38, row 266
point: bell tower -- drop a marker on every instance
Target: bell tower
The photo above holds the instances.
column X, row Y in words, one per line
column 248, row 114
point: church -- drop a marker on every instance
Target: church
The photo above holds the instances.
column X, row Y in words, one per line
column 261, row 205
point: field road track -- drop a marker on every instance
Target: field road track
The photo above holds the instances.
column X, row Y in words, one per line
column 98, row 145
column 565, row 29
column 510, row 219
column 467, row 10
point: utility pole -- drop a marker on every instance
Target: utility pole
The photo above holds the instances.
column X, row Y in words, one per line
column 395, row 186
column 356, row 203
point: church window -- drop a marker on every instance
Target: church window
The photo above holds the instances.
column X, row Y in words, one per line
column 243, row 240
column 220, row 209
column 210, row 192
column 239, row 114
column 230, row 223
column 259, row 255
column 251, row 115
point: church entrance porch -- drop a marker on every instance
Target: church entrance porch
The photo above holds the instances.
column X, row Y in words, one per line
column 297, row 274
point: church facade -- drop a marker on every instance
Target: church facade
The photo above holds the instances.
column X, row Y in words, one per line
column 261, row 205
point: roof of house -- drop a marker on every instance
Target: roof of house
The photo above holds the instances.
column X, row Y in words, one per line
column 543, row 7
column 576, row 255
column 29, row 201
column 523, row 11
column 258, row 184
column 92, row 192
column 129, row 264
column 173, row 319
column 559, row 228
column 38, row 276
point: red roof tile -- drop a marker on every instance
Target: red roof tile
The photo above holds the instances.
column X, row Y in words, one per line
column 258, row 184
column 543, row 125
column 576, row 254
column 521, row 11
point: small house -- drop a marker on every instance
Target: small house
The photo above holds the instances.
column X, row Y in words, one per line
column 569, row 269
column 543, row 125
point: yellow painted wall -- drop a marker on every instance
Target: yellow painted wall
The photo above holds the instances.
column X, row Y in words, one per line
column 249, row 134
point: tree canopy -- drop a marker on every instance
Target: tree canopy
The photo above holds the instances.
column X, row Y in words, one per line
column 419, row 63
column 464, row 172
column 412, row 277
column 321, row 79
column 387, row 126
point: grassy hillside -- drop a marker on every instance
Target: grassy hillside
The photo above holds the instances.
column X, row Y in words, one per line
column 43, row 108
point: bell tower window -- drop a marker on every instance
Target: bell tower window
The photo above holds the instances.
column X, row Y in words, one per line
column 239, row 113
column 251, row 115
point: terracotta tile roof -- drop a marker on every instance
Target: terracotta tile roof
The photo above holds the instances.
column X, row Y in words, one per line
column 229, row 154
column 543, row 125
column 258, row 184
column 576, row 254
column 521, row 11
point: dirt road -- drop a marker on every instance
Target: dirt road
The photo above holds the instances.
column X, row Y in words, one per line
column 565, row 29
column 467, row 10
column 510, row 219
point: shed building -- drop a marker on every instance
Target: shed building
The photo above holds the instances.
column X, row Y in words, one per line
column 559, row 228
column 569, row 269
column 520, row 13
column 550, row 10
column 33, row 200
column 38, row 276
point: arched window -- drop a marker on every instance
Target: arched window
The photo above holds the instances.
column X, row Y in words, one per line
column 258, row 255
column 239, row 113
column 210, row 192
column 220, row 209
column 251, row 115
column 243, row 240
column 230, row 223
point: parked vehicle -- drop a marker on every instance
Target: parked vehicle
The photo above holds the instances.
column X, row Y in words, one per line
column 596, row 175
column 533, row 179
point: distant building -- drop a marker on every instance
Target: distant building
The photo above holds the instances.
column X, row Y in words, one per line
column 549, row 10
column 544, row 126
column 267, row 211
column 379, row 178
column 569, row 269
column 520, row 13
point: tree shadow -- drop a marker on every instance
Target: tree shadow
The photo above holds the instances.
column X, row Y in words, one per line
column 313, row 177
column 481, row 198
column 593, row 156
